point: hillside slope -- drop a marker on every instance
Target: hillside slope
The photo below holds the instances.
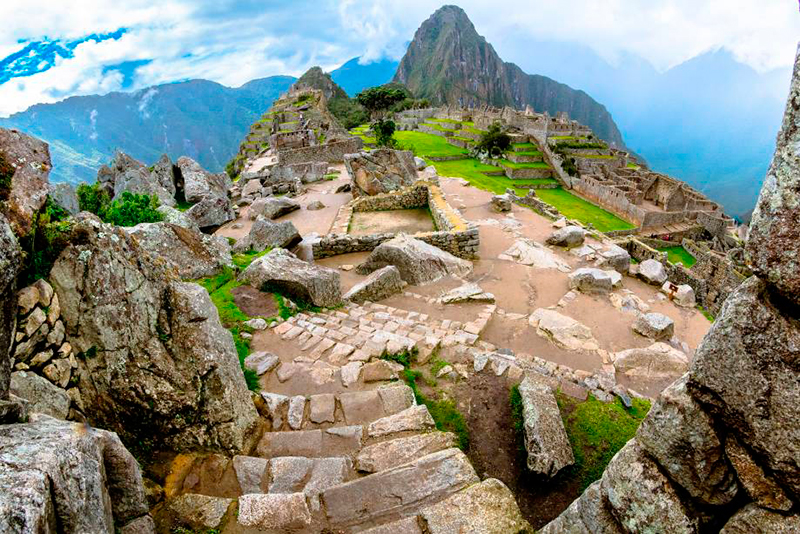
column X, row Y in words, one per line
column 197, row 118
column 449, row 63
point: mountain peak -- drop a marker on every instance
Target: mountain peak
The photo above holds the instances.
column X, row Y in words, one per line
column 448, row 62
column 315, row 78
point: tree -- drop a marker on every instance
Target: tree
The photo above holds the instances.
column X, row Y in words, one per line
column 494, row 142
column 378, row 100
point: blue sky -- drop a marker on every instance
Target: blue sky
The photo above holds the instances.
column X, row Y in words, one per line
column 57, row 49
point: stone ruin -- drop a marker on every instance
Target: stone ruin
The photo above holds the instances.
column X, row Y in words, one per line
column 720, row 448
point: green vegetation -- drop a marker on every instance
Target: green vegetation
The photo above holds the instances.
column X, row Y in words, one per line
column 517, row 418
column 129, row 210
column 427, row 145
column 378, row 100
column 597, row 431
column 183, row 205
column 678, row 254
column 437, row 364
column 566, row 144
column 347, row 111
column 49, row 235
column 6, row 174
column 384, row 130
column 447, row 121
column 527, row 153
column 444, row 412
column 706, row 313
column 473, row 171
column 632, row 166
column 524, row 165
column 524, row 146
column 574, row 207
column 494, row 143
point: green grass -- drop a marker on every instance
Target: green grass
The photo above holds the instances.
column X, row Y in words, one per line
column 527, row 153
column 440, row 127
column 448, row 121
column 437, row 364
column 597, row 431
column 182, row 205
column 219, row 289
column 472, row 170
column 678, row 254
column 243, row 260
column 632, row 166
column 474, row 130
column 466, row 139
column 706, row 313
column 574, row 207
column 424, row 144
column 523, row 145
column 524, row 165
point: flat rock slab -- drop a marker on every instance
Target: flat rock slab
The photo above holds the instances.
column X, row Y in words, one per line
column 652, row 272
column 529, row 252
column 389, row 454
column 659, row 360
column 311, row 443
column 488, row 507
column 361, row 406
column 261, row 362
column 466, row 293
column 546, row 440
column 590, row 280
column 379, row 285
column 399, row 490
column 280, row 512
column 416, row 418
column 564, row 331
column 322, row 408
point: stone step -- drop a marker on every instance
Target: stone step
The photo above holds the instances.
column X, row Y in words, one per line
column 396, row 493
column 317, row 443
column 299, row 412
column 392, row 453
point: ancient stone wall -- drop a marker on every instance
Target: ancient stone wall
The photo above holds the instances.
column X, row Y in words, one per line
column 403, row 199
column 614, row 200
column 329, row 152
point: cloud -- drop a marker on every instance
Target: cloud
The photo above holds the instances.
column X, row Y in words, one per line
column 232, row 41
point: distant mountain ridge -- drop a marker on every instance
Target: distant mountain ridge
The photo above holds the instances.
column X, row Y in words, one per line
column 448, row 62
column 197, row 118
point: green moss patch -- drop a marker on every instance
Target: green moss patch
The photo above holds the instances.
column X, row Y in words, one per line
column 678, row 254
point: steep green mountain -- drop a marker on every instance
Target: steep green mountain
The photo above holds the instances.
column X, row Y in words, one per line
column 197, row 118
column 447, row 62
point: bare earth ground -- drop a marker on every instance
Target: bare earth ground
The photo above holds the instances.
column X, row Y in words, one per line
column 399, row 221
column 519, row 290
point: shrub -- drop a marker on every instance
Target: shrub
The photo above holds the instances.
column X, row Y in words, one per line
column 378, row 100
column 92, row 199
column 132, row 209
column 384, row 130
column 49, row 235
column 494, row 142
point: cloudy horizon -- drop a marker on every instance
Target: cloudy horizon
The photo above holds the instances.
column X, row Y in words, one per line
column 53, row 51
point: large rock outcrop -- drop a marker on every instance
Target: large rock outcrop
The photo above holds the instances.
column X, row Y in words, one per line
column 154, row 362
column 10, row 264
column 199, row 183
column 720, row 448
column 282, row 271
column 68, row 477
column 190, row 253
column 418, row 262
column 24, row 171
column 127, row 174
column 266, row 234
column 380, row 171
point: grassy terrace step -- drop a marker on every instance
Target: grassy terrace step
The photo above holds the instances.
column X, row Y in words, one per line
column 574, row 207
column 449, row 121
column 528, row 165
column 526, row 153
column 523, row 147
column 439, row 127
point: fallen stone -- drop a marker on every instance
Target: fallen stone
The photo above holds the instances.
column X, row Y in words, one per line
column 659, row 360
column 615, row 257
column 350, row 373
column 590, row 280
column 261, row 362
column 652, row 272
column 682, row 295
column 199, row 184
column 569, row 236
column 266, row 234
column 282, row 271
column 178, row 218
column 389, row 454
column 418, row 262
column 501, row 203
column 529, row 252
column 280, row 512
column 273, row 207
column 315, row 205
column 656, row 326
column 377, row 371
column 211, row 212
column 466, row 293
column 487, row 507
column 564, row 331
column 546, row 439
column 419, row 163
column 379, row 285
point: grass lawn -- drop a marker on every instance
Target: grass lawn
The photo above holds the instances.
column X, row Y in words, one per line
column 449, row 121
column 424, row 144
column 633, row 166
column 597, row 431
column 593, row 156
column 574, row 207
column 474, row 130
column 440, row 127
column 523, row 146
column 527, row 165
column 472, row 170
column 527, row 153
column 679, row 254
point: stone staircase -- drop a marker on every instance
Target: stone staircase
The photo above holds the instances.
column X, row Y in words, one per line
column 362, row 458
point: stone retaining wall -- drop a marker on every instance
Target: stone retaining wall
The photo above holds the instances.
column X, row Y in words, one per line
column 526, row 173
column 452, row 234
column 330, row 152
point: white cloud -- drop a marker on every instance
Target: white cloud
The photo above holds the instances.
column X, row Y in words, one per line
column 232, row 42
